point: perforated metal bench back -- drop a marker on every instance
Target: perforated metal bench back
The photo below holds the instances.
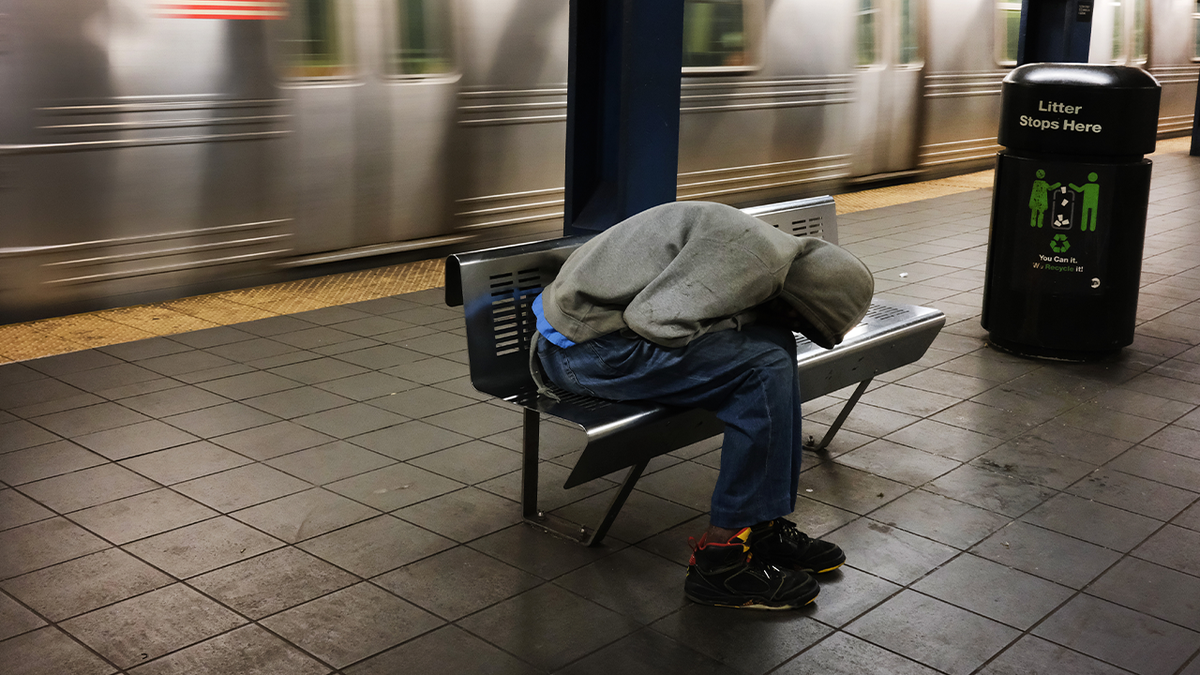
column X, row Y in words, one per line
column 498, row 289
column 815, row 217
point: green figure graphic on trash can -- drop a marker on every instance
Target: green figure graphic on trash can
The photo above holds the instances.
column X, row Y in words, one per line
column 1039, row 198
column 1091, row 201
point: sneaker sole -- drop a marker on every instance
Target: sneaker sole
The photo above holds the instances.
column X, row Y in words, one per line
column 827, row 569
column 803, row 596
column 751, row 604
column 829, row 564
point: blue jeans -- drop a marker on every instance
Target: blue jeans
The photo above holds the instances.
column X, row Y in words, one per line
column 748, row 378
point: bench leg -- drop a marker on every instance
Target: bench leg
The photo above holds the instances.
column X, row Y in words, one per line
column 841, row 418
column 529, row 490
column 529, row 467
column 615, row 505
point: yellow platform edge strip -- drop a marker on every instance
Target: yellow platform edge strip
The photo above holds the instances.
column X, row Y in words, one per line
column 48, row 337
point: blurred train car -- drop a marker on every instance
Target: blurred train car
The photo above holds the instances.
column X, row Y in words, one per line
column 156, row 148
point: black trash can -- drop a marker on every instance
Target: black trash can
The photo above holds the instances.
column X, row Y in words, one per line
column 1069, row 209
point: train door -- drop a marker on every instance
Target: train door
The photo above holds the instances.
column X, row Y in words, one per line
column 511, row 119
column 1169, row 38
column 967, row 49
column 323, row 77
column 420, row 82
column 373, row 84
column 885, row 121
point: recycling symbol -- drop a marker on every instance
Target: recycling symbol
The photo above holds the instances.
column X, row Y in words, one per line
column 1059, row 243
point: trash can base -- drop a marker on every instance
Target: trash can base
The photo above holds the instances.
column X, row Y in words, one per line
column 1048, row 353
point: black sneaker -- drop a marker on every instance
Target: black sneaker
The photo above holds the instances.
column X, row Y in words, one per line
column 729, row 575
column 779, row 543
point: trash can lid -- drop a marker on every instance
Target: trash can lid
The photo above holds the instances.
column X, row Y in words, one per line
column 1080, row 110
column 1082, row 75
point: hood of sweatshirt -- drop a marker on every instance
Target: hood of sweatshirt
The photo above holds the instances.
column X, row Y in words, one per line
column 830, row 288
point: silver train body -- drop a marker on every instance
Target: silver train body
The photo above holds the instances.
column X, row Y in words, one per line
column 157, row 148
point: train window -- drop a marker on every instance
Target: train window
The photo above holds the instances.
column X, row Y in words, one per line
column 1118, row 41
column 1129, row 31
column 1008, row 32
column 1140, row 50
column 320, row 47
column 423, row 42
column 1196, row 32
column 909, row 47
column 719, row 35
column 866, row 33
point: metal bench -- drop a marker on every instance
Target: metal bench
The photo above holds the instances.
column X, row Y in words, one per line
column 497, row 286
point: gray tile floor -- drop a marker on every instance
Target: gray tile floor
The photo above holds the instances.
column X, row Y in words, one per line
column 326, row 492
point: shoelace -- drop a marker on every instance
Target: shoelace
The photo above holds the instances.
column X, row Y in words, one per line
column 788, row 530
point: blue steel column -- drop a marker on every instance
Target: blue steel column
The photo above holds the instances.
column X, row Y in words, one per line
column 622, row 110
column 1194, row 150
column 1055, row 31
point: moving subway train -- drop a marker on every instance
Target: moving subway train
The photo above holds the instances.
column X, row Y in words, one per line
column 155, row 148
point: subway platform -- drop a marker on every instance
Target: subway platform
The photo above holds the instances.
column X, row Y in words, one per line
column 253, row 483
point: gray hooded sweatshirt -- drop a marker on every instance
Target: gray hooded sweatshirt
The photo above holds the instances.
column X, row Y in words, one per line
column 677, row 271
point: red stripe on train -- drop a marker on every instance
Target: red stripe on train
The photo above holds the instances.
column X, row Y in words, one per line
column 228, row 9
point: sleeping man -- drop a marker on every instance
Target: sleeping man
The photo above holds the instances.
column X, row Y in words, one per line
column 695, row 304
